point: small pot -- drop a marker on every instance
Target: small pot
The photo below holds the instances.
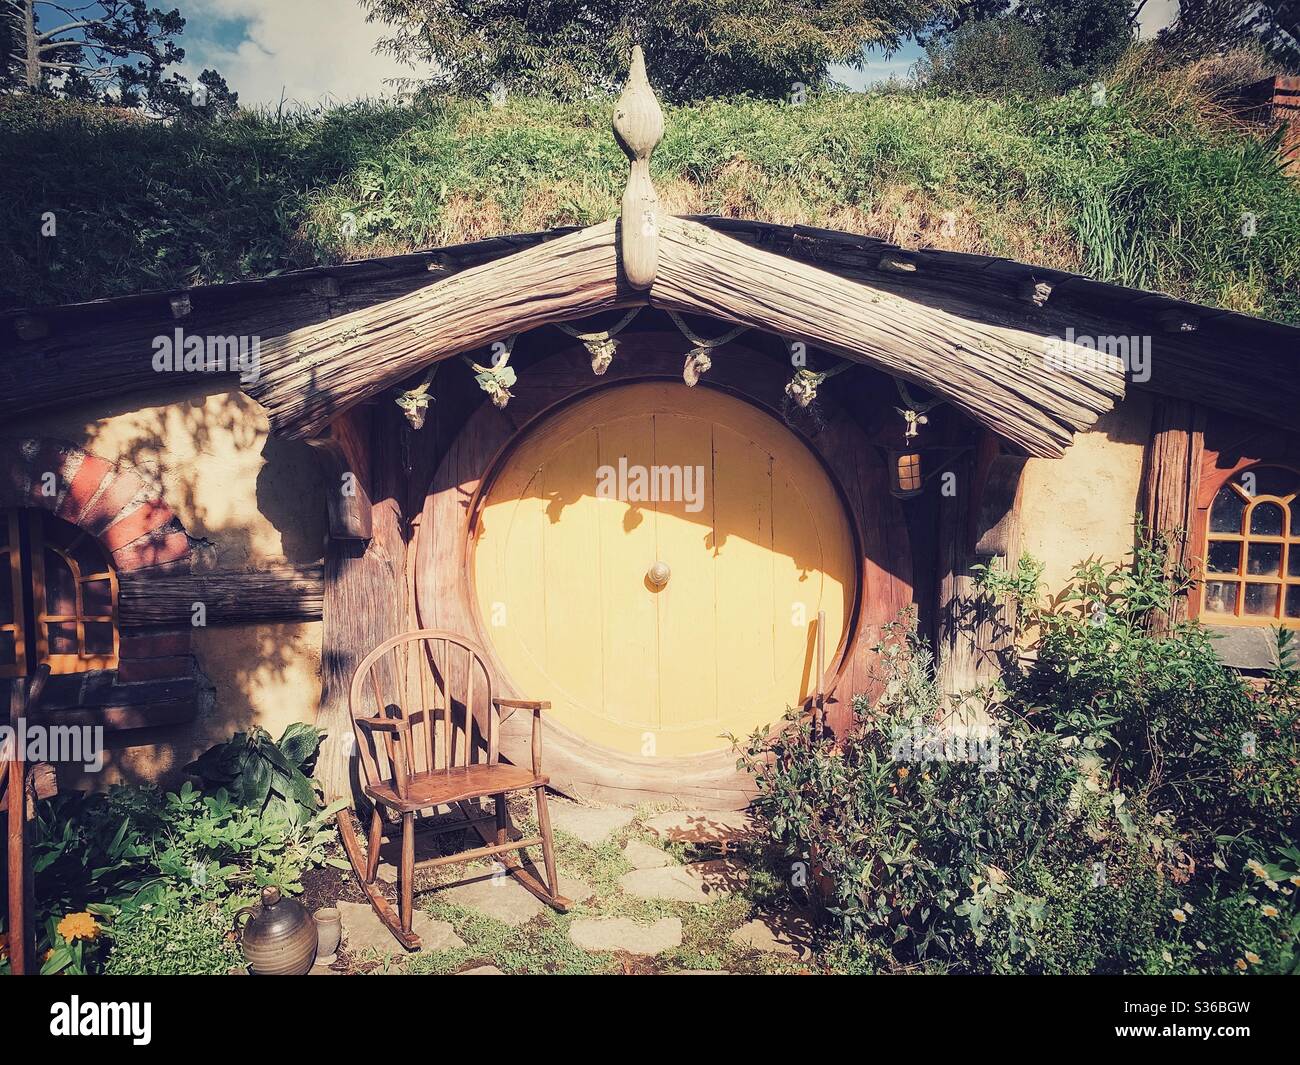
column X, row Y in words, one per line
column 329, row 930
column 279, row 938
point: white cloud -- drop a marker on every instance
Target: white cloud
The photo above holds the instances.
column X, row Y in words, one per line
column 308, row 51
column 1155, row 16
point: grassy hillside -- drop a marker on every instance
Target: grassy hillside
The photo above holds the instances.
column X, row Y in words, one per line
column 1148, row 190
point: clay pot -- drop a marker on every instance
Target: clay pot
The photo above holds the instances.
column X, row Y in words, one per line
column 279, row 938
column 329, row 930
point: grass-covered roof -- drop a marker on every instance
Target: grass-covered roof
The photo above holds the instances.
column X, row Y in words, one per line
column 1148, row 190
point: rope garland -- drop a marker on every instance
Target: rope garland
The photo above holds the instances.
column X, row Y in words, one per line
column 914, row 412
column 698, row 359
column 803, row 386
column 601, row 344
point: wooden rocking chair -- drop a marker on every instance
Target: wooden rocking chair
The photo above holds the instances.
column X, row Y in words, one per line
column 407, row 770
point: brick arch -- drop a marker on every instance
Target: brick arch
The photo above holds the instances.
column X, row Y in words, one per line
column 110, row 501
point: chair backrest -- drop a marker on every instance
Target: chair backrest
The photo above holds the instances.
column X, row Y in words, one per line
column 440, row 683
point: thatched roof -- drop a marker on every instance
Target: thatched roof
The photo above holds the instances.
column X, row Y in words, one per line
column 65, row 355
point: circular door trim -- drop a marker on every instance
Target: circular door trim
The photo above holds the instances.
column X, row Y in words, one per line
column 483, row 435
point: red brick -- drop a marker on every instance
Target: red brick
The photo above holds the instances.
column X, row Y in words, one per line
column 134, row 669
column 154, row 645
column 117, row 494
column 151, row 515
column 153, row 551
column 84, row 486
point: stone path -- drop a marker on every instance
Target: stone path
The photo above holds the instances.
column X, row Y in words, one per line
column 643, row 856
column 500, row 896
column 697, row 882
column 622, row 933
column 481, row 970
column 363, row 931
column 788, row 933
column 591, row 825
column 721, row 827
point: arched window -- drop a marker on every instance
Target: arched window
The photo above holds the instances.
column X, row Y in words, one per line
column 1252, row 550
column 58, row 597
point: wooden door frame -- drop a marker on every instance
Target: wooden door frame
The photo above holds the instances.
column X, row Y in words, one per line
column 442, row 548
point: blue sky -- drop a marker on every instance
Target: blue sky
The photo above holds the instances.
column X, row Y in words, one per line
column 320, row 51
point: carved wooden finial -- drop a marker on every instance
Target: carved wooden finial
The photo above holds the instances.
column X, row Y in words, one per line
column 639, row 127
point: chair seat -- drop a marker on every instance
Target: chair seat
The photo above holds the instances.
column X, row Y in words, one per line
column 452, row 785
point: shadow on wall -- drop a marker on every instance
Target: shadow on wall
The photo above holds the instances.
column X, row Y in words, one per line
column 248, row 501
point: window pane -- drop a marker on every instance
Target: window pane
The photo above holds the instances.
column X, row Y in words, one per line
column 99, row 638
column 1293, row 601
column 89, row 556
column 8, row 649
column 1266, row 520
column 97, row 598
column 60, row 588
column 1293, row 560
column 1264, row 560
column 62, row 637
column 1220, row 597
column 1226, row 513
column 1224, row 556
column 1261, row 600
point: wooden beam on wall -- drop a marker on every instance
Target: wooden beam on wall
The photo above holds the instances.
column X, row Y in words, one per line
column 277, row 593
column 1171, row 471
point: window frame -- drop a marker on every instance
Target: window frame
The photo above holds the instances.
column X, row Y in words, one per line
column 31, row 600
column 1288, row 541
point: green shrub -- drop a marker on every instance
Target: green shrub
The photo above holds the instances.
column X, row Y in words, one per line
column 170, row 939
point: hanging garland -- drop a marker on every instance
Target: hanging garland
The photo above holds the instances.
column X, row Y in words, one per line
column 802, row 387
column 914, row 413
column 698, row 359
column 496, row 380
column 414, row 402
column 601, row 345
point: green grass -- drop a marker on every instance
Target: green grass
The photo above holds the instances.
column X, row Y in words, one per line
column 1142, row 191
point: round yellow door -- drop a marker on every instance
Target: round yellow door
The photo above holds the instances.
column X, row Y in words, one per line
column 652, row 560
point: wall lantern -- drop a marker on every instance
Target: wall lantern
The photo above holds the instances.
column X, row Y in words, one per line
column 905, row 474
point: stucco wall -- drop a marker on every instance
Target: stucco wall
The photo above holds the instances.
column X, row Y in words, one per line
column 1084, row 504
column 249, row 501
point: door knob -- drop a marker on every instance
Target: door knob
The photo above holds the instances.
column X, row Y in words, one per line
column 658, row 574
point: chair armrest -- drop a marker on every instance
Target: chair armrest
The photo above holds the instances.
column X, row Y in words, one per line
column 523, row 704
column 384, row 724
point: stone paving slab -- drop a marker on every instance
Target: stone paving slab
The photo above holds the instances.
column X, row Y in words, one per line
column 363, row 931
column 622, row 933
column 481, row 970
column 501, row 897
column 643, row 856
column 590, row 824
column 696, row 883
column 788, row 933
column 722, row 827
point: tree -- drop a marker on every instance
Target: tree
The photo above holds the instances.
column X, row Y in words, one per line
column 1209, row 27
column 113, row 51
column 694, row 48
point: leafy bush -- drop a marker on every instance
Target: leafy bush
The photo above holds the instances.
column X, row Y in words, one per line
column 170, row 939
column 272, row 776
column 122, row 871
column 1138, row 816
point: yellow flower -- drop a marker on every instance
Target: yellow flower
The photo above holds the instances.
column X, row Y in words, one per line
column 78, row 926
column 1257, row 869
column 1296, row 880
column 1241, row 963
column 1179, row 916
column 1269, row 910
column 902, row 773
column 1252, row 957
